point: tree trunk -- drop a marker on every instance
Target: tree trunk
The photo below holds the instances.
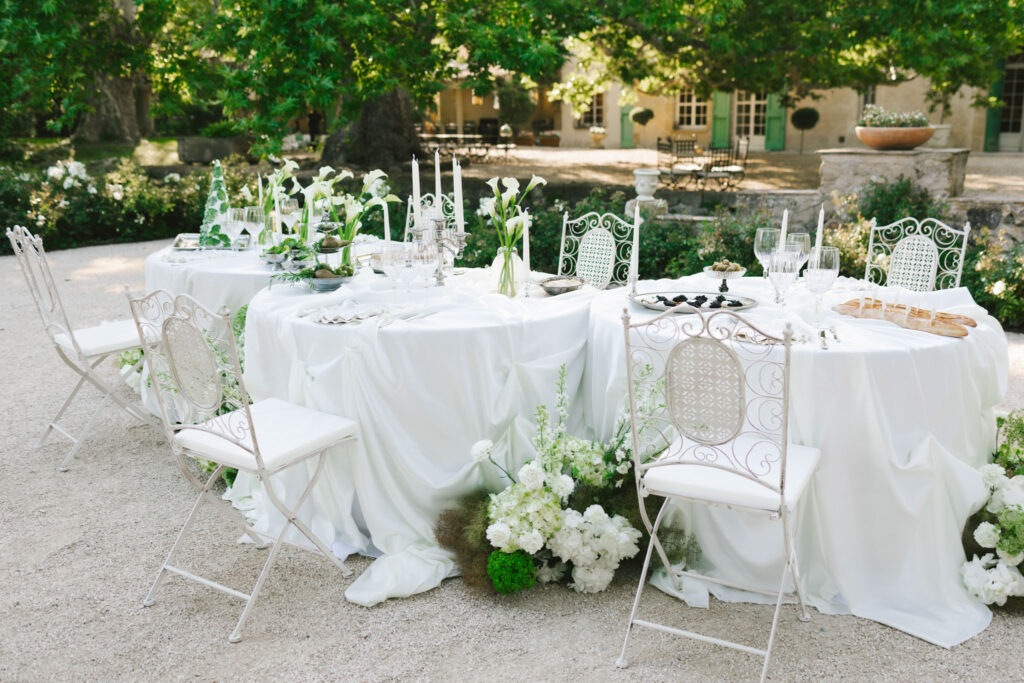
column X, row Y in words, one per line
column 382, row 136
column 121, row 111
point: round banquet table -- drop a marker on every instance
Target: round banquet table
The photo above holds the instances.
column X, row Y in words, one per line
column 903, row 420
column 423, row 389
column 214, row 278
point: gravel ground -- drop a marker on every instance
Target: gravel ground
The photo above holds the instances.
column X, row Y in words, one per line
column 81, row 548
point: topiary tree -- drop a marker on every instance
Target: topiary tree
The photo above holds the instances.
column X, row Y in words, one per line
column 804, row 119
column 641, row 115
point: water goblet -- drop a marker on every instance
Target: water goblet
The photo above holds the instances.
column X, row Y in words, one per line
column 765, row 242
column 253, row 220
column 784, row 265
column 234, row 224
column 802, row 242
column 822, row 271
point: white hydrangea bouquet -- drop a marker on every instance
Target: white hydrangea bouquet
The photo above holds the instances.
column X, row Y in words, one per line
column 537, row 534
column 995, row 576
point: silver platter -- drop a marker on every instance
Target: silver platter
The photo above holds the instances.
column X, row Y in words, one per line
column 650, row 300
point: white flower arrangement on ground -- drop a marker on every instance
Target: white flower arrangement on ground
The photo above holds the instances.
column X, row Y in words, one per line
column 532, row 514
column 995, row 577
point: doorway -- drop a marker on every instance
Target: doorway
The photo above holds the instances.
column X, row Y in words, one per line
column 1011, row 122
column 750, row 118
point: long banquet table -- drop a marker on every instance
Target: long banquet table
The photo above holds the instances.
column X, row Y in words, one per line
column 903, row 419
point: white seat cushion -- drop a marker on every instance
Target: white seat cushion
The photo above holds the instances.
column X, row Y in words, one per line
column 725, row 488
column 685, row 168
column 286, row 433
column 107, row 337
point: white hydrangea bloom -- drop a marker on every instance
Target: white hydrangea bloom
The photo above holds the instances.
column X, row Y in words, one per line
column 595, row 544
column 481, row 450
column 70, row 182
column 562, row 485
column 987, row 535
column 499, row 535
column 531, row 475
column 172, row 178
column 1013, row 492
column 995, row 501
column 998, row 288
column 993, row 475
column 991, row 581
column 1012, row 560
column 591, row 579
column 55, row 172
column 550, row 573
column 531, row 542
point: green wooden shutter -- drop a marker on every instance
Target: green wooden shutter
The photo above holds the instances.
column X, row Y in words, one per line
column 993, row 117
column 775, row 123
column 626, row 137
column 721, row 105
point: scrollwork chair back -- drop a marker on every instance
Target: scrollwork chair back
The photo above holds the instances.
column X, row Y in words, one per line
column 428, row 201
column 917, row 255
column 596, row 248
column 28, row 249
column 194, row 369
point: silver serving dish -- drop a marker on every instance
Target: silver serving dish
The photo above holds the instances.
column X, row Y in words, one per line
column 189, row 241
column 560, row 284
column 724, row 276
column 296, row 266
column 327, row 284
column 652, row 301
column 274, row 259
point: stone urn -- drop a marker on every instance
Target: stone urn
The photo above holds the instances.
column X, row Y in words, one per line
column 893, row 138
column 596, row 138
column 645, row 182
column 940, row 139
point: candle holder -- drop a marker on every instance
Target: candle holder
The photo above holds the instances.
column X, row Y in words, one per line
column 434, row 228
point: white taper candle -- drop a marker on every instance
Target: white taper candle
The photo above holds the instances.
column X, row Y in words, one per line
column 785, row 225
column 415, row 192
column 437, row 179
column 634, row 255
column 387, row 222
column 821, row 229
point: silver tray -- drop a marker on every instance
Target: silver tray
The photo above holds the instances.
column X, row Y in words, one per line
column 650, row 300
column 189, row 241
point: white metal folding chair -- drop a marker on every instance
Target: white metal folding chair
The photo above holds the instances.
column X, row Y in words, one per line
column 194, row 366
column 917, row 255
column 720, row 436
column 82, row 350
column 427, row 202
column 597, row 248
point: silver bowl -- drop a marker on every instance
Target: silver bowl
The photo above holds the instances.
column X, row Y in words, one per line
column 560, row 284
column 724, row 275
column 327, row 284
column 274, row 259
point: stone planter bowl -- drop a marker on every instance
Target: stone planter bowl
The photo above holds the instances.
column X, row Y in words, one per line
column 894, row 138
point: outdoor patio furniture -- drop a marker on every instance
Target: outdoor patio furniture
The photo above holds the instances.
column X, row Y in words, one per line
column 596, row 247
column 917, row 255
column 677, row 161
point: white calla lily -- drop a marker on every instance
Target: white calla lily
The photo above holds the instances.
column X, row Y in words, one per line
column 511, row 184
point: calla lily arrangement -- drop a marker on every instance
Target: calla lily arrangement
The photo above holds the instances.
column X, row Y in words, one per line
column 510, row 219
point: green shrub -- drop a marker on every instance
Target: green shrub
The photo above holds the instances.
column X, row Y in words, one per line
column 994, row 274
column 888, row 202
column 511, row 572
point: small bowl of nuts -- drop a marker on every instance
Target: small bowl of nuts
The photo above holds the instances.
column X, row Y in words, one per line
column 724, row 270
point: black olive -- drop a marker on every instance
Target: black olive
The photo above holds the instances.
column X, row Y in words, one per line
column 715, row 304
column 680, row 299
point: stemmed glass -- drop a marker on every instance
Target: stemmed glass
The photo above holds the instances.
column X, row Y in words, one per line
column 802, row 242
column 765, row 242
column 289, row 212
column 784, row 265
column 821, row 274
column 253, row 220
column 234, row 224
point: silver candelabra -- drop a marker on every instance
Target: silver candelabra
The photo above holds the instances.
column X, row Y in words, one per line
column 435, row 227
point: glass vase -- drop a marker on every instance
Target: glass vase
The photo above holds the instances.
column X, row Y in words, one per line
column 509, row 267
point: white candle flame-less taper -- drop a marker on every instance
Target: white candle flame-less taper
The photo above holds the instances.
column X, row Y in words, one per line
column 387, row 221
column 277, row 211
column 821, row 230
column 526, row 254
column 785, row 224
column 460, row 216
column 437, row 179
column 415, row 192
column 259, row 188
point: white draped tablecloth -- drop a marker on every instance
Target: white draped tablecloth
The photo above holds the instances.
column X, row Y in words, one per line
column 214, row 278
column 423, row 391
column 903, row 419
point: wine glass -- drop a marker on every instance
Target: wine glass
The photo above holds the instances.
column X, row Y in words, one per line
column 784, row 265
column 289, row 212
column 234, row 224
column 253, row 220
column 822, row 271
column 765, row 242
column 802, row 241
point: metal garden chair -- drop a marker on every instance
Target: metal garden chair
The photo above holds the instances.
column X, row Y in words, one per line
column 193, row 364
column 82, row 350
column 720, row 436
column 917, row 255
column 597, row 248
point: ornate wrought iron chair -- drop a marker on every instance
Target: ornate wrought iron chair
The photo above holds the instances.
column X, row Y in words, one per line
column 83, row 350
column 677, row 162
column 428, row 201
column 720, row 437
column 194, row 367
column 916, row 255
column 597, row 248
